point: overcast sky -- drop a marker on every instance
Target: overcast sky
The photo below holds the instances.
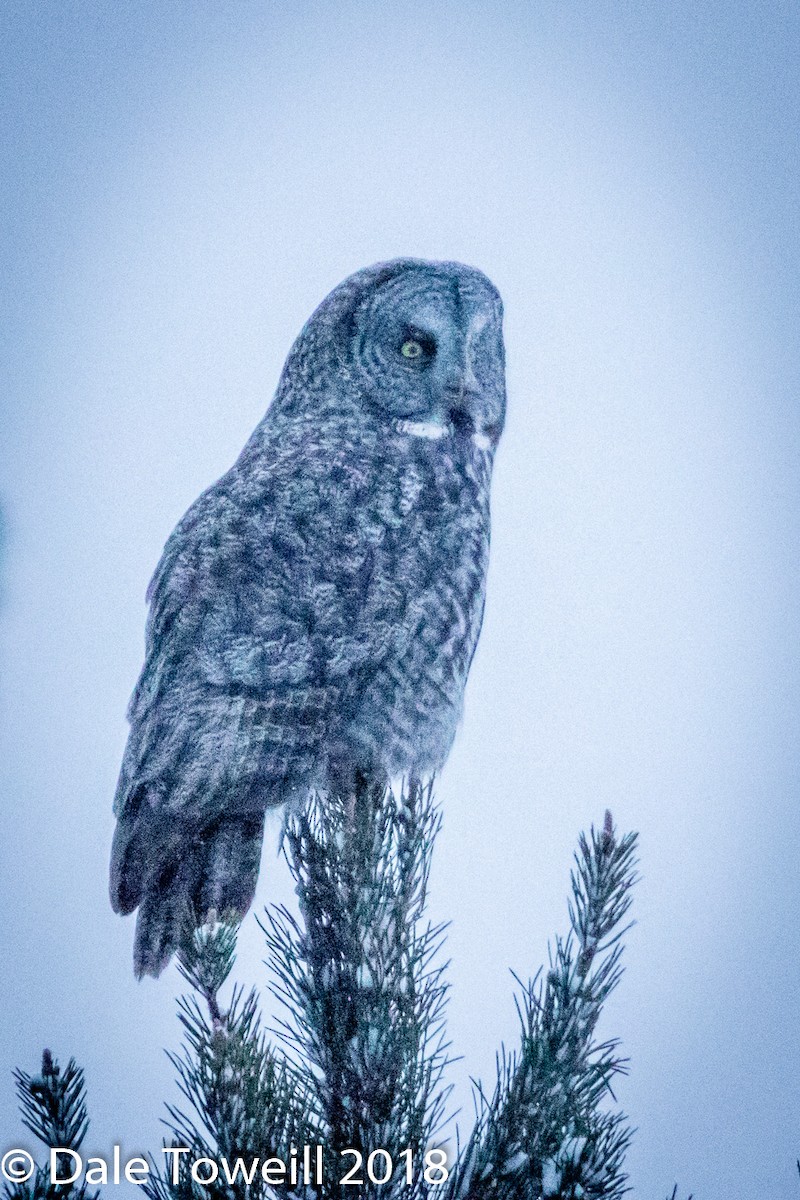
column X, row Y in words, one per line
column 181, row 185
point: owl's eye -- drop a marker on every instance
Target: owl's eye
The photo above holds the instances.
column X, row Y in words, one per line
column 417, row 346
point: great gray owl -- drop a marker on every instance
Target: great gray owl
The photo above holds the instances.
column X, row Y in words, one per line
column 315, row 613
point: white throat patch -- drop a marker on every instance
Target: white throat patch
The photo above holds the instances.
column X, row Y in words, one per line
column 432, row 431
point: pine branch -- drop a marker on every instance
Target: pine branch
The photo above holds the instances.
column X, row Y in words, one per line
column 545, row 1130
column 361, row 979
column 53, row 1107
column 244, row 1097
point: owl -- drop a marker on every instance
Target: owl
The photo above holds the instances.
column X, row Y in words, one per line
column 314, row 614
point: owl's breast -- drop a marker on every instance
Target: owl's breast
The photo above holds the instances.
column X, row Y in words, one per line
column 430, row 520
column 364, row 570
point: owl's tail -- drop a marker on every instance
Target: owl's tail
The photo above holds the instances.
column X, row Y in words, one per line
column 211, row 870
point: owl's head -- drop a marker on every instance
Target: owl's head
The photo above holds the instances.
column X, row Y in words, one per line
column 420, row 345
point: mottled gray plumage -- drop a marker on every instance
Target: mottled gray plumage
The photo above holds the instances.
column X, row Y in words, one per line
column 315, row 613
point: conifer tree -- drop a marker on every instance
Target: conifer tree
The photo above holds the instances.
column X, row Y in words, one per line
column 355, row 1069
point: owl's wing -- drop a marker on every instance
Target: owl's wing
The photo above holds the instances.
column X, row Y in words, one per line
column 262, row 620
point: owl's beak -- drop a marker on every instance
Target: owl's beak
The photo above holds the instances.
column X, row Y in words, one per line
column 460, row 393
column 461, row 386
column 461, row 383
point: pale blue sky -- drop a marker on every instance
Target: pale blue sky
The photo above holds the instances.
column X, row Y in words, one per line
column 181, row 185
